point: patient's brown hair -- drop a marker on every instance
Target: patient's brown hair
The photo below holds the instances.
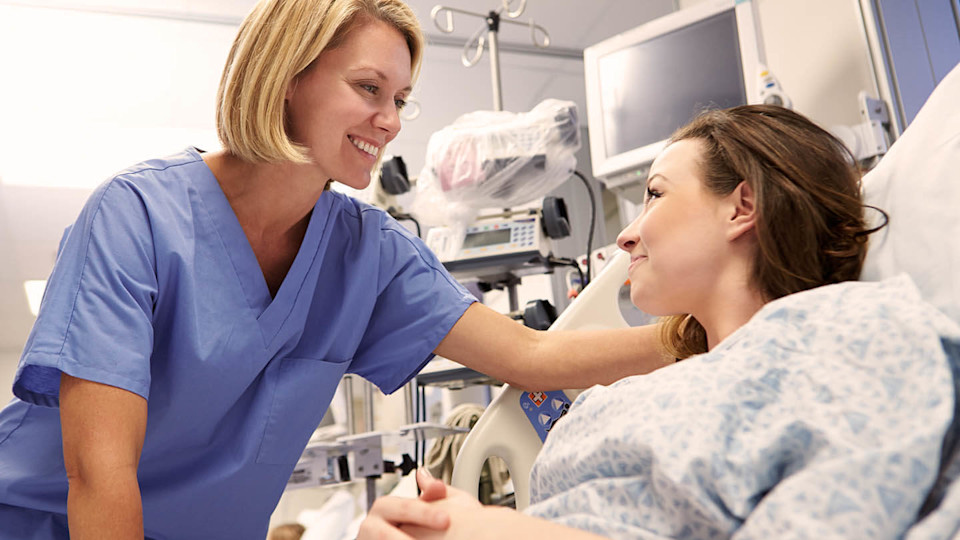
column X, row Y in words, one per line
column 810, row 225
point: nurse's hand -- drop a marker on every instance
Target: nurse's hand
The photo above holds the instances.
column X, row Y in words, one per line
column 388, row 514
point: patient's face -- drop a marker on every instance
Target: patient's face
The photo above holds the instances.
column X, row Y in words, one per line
column 676, row 240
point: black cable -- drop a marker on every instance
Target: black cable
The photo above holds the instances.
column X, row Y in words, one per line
column 593, row 223
column 565, row 261
column 423, row 412
column 416, row 418
column 404, row 217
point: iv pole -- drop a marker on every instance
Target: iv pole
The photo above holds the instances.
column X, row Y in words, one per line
column 492, row 26
column 492, row 22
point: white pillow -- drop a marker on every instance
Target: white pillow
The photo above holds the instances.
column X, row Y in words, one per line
column 918, row 184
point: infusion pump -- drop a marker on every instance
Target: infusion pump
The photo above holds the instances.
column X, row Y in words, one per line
column 513, row 242
column 500, row 243
column 491, row 237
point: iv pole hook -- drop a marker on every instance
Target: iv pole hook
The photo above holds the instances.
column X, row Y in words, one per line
column 435, row 15
column 533, row 35
column 517, row 12
column 478, row 52
column 443, row 19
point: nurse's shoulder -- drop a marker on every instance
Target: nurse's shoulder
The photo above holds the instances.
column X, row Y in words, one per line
column 182, row 171
column 151, row 196
column 371, row 215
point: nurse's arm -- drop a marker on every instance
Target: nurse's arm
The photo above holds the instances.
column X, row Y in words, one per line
column 494, row 344
column 103, row 430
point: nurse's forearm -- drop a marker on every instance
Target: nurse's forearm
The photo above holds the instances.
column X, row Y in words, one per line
column 106, row 508
column 496, row 345
column 103, row 430
column 583, row 358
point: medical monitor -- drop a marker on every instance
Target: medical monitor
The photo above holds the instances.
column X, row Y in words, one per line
column 645, row 83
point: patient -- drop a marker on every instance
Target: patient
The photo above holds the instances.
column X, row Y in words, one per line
column 822, row 412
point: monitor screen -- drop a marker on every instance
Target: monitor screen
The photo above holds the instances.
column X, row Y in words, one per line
column 645, row 83
column 650, row 89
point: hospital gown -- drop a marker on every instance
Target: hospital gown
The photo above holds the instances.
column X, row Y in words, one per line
column 823, row 417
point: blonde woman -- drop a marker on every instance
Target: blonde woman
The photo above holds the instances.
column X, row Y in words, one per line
column 204, row 306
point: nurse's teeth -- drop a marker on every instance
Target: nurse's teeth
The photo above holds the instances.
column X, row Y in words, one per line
column 366, row 147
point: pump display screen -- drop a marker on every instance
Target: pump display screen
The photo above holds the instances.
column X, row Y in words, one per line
column 486, row 238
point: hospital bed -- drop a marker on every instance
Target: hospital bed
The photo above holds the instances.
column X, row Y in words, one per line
column 504, row 429
column 917, row 183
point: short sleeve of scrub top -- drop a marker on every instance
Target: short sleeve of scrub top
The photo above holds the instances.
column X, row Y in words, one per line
column 101, row 292
column 417, row 305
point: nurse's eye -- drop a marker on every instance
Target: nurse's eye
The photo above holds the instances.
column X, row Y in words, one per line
column 369, row 88
column 400, row 103
column 652, row 194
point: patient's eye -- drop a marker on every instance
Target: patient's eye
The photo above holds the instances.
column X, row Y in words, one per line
column 651, row 195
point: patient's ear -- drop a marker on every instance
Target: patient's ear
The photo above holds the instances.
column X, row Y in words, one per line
column 743, row 217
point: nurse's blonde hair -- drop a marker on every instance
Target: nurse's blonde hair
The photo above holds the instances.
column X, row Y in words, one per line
column 277, row 41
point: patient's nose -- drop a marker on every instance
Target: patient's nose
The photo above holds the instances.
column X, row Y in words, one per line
column 627, row 239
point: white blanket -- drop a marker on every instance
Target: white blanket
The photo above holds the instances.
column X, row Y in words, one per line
column 825, row 416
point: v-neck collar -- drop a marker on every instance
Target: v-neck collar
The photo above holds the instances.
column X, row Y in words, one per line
column 269, row 312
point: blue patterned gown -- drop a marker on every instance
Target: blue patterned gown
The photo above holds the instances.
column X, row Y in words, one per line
column 826, row 416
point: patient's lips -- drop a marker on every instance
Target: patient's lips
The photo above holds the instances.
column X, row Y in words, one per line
column 635, row 261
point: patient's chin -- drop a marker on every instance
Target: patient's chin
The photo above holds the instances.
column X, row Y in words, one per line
column 649, row 305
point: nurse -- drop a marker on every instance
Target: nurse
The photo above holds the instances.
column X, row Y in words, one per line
column 204, row 307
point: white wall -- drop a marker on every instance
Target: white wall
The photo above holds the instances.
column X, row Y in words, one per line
column 821, row 54
column 8, row 367
column 818, row 51
column 98, row 92
column 84, row 95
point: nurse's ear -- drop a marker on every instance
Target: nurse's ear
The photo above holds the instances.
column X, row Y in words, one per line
column 291, row 88
column 743, row 211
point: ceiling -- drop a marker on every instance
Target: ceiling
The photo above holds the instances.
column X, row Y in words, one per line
column 32, row 218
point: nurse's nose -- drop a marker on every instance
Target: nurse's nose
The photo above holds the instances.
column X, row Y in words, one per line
column 629, row 236
column 387, row 118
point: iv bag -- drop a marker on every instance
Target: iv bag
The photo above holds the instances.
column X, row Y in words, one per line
column 502, row 159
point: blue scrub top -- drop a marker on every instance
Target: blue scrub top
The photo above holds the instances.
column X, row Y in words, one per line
column 157, row 291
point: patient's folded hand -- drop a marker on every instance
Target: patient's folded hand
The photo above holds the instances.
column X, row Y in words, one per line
column 431, row 489
column 467, row 519
column 389, row 514
column 463, row 511
column 458, row 505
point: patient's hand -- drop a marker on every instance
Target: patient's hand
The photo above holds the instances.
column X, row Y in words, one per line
column 388, row 514
column 465, row 518
column 470, row 520
column 431, row 489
